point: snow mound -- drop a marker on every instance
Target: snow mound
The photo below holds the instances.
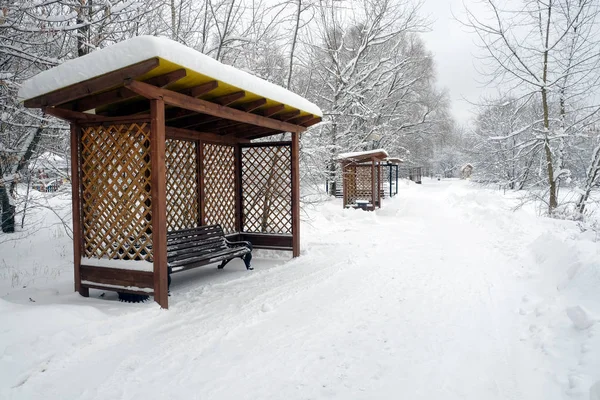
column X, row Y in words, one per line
column 579, row 317
column 595, row 391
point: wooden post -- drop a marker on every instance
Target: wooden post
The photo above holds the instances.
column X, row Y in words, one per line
column 390, row 167
column 76, row 204
column 199, row 179
column 379, row 184
column 397, row 171
column 373, row 184
column 295, row 194
column 345, row 184
column 159, row 201
column 201, row 182
column 239, row 210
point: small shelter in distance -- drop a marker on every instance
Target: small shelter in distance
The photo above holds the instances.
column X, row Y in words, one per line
column 162, row 139
column 415, row 174
column 466, row 171
column 362, row 178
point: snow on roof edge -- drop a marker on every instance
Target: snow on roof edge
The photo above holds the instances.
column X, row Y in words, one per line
column 357, row 154
column 142, row 48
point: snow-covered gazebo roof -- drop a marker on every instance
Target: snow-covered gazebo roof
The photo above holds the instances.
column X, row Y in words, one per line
column 105, row 82
column 362, row 156
column 394, row 160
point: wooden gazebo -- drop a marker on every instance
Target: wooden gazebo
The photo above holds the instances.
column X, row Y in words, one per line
column 361, row 175
column 164, row 138
column 392, row 165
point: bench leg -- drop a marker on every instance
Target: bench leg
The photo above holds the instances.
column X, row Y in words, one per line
column 223, row 264
column 247, row 258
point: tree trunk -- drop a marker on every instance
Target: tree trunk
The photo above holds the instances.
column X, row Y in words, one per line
column 552, row 202
column 294, row 38
column 7, row 189
column 84, row 28
column 7, row 218
column 593, row 174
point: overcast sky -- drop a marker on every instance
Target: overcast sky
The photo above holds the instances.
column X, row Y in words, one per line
column 453, row 49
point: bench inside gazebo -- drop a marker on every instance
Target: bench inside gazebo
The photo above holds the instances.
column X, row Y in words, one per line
column 164, row 156
column 362, row 178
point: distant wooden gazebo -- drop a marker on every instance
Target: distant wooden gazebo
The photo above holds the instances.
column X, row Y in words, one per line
column 164, row 138
column 392, row 164
column 361, row 175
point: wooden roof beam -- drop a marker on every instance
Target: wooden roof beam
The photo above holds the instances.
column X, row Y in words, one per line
column 253, row 105
column 200, row 121
column 91, row 86
column 287, row 116
column 195, row 120
column 202, row 89
column 246, row 131
column 228, row 99
column 310, row 122
column 222, row 100
column 186, row 134
column 76, row 116
column 122, row 93
column 272, row 110
column 303, row 119
column 205, row 107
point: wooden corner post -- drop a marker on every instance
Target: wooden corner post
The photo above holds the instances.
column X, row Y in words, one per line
column 344, row 184
column 159, row 201
column 239, row 204
column 374, row 192
column 76, row 203
column 379, row 184
column 295, row 194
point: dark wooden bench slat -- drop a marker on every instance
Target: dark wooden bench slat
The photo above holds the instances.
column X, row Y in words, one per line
column 193, row 247
column 193, row 243
column 192, row 239
column 198, row 234
column 211, row 257
column 202, row 263
column 196, row 251
column 197, row 229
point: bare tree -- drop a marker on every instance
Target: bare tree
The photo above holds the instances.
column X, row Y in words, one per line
column 539, row 51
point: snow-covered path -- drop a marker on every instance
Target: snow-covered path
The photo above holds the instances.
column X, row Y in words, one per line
column 419, row 300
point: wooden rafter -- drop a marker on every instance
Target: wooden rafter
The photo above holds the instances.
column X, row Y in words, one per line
column 311, row 122
column 188, row 118
column 205, row 107
column 272, row 110
column 230, row 98
column 122, row 93
column 91, row 86
column 253, row 105
column 194, row 120
column 202, row 89
column 288, row 116
column 302, row 120
column 79, row 117
column 186, row 134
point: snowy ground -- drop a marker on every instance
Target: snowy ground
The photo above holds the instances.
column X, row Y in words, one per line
column 444, row 293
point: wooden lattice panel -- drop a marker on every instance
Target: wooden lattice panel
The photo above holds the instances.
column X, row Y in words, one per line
column 218, row 181
column 115, row 192
column 182, row 184
column 357, row 179
column 267, row 189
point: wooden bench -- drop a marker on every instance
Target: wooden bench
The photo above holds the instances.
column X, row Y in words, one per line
column 195, row 247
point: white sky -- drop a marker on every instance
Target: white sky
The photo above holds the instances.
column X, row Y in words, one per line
column 453, row 50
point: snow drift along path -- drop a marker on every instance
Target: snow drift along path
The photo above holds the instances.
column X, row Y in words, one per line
column 419, row 300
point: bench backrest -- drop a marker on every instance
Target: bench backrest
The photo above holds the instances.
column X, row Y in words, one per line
column 209, row 238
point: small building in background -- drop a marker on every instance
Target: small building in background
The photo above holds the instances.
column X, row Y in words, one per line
column 466, row 171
